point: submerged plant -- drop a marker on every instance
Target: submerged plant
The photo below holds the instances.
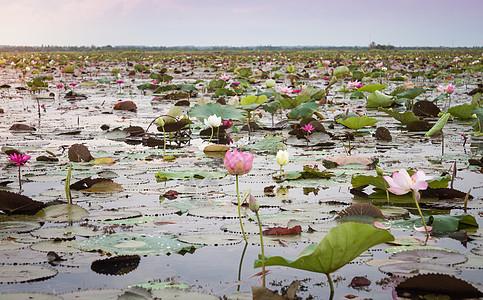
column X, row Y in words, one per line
column 19, row 160
column 238, row 163
column 401, row 183
column 340, row 246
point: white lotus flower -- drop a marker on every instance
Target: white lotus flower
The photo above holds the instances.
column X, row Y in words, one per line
column 213, row 121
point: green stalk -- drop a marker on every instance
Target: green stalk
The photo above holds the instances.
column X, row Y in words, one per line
column 240, row 266
column 211, row 135
column 239, row 210
column 415, row 197
column 331, row 285
column 19, row 178
column 164, row 146
column 261, row 245
column 67, row 185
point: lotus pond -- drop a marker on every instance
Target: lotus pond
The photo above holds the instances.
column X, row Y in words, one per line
column 126, row 193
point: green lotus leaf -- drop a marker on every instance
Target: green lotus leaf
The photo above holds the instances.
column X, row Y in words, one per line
column 340, row 246
column 442, row 223
column 361, row 180
column 271, row 107
column 463, row 111
column 269, row 143
column 405, row 117
column 439, row 125
column 341, row 71
column 226, row 112
column 253, row 99
column 411, row 93
column 378, row 99
column 304, row 110
column 371, row 88
column 357, row 123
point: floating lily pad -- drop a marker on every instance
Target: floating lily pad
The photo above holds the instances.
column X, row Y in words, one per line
column 211, row 239
column 440, row 257
column 29, row 296
column 222, row 212
column 56, row 246
column 63, row 213
column 135, row 244
column 65, row 232
column 406, row 269
column 102, row 294
column 160, row 285
column 163, row 176
column 109, row 215
column 25, row 273
column 22, row 257
column 18, row 226
column 11, row 245
column 181, row 294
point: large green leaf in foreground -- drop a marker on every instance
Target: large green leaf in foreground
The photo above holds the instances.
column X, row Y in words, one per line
column 340, row 246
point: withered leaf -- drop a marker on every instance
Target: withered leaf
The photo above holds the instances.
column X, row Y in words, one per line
column 283, row 230
column 12, row 203
column 118, row 265
column 79, row 153
column 126, row 105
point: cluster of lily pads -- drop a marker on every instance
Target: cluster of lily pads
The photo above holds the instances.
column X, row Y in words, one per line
column 315, row 134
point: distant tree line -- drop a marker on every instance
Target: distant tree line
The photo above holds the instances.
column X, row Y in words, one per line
column 50, row 48
column 373, row 45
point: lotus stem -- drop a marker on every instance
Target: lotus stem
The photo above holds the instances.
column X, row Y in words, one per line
column 164, row 144
column 211, row 135
column 239, row 210
column 442, row 143
column 416, row 200
column 19, row 178
column 331, row 285
column 67, row 185
column 261, row 245
column 240, row 265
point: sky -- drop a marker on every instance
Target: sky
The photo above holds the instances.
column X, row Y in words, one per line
column 457, row 23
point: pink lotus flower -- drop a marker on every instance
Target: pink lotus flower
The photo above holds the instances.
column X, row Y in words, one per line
column 238, row 163
column 236, row 82
column 296, row 91
column 353, row 84
column 308, row 128
column 59, row 86
column 154, row 82
column 224, row 77
column 401, row 183
column 73, row 84
column 285, row 89
column 227, row 123
column 119, row 81
column 19, row 159
column 449, row 89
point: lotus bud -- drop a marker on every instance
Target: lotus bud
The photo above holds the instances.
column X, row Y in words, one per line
column 269, row 83
column 379, row 171
column 161, row 122
column 253, row 204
